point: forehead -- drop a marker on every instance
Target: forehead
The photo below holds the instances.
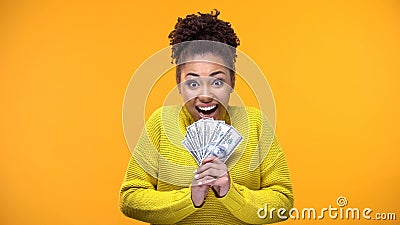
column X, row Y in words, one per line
column 204, row 63
column 208, row 57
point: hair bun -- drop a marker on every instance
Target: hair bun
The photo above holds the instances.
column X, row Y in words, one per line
column 204, row 26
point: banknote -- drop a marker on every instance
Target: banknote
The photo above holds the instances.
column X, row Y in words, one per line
column 194, row 154
column 225, row 146
column 209, row 137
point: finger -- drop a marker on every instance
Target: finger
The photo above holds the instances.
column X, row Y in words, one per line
column 209, row 159
column 209, row 165
column 196, row 184
column 204, row 181
column 210, row 172
column 218, row 161
column 223, row 174
column 212, row 159
column 223, row 181
column 205, row 167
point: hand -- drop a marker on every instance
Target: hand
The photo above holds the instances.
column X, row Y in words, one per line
column 199, row 192
column 213, row 172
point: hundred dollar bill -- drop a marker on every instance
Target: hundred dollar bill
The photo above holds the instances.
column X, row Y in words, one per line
column 226, row 145
column 207, row 137
column 193, row 137
column 219, row 131
column 209, row 128
column 194, row 154
column 199, row 134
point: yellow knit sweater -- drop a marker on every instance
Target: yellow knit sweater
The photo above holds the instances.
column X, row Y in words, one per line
column 156, row 188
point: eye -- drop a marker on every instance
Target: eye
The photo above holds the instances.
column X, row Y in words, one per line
column 217, row 83
column 192, row 84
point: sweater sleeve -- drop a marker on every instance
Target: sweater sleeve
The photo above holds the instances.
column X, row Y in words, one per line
column 255, row 206
column 140, row 200
column 139, row 197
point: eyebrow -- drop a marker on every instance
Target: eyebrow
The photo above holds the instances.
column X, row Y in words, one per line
column 211, row 74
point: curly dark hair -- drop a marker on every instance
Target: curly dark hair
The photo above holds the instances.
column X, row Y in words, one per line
column 206, row 27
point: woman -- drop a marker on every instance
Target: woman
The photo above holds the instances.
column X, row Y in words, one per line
column 160, row 186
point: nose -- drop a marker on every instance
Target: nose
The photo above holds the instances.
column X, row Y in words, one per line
column 205, row 95
column 205, row 98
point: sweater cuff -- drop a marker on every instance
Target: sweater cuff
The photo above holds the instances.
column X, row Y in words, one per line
column 234, row 200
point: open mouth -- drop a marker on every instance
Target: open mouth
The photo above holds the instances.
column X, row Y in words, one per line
column 207, row 112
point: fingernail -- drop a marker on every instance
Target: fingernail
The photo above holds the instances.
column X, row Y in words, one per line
column 195, row 171
column 196, row 176
column 200, row 183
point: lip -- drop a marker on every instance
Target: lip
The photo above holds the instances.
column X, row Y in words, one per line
column 202, row 116
column 207, row 108
column 207, row 105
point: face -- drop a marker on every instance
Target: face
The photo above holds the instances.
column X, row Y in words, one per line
column 205, row 87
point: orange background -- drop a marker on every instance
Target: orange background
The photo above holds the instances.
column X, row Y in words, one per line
column 333, row 67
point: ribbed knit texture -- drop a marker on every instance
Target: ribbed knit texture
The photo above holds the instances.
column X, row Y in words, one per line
column 156, row 188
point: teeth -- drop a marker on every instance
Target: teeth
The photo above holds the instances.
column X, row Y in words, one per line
column 207, row 108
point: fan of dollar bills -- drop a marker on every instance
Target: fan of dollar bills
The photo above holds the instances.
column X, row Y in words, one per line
column 209, row 137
